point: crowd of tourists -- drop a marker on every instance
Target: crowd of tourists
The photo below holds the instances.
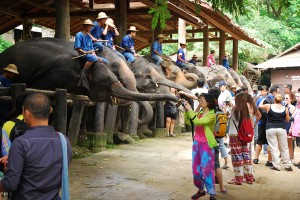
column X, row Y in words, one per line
column 274, row 120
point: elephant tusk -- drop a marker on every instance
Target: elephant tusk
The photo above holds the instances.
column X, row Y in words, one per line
column 156, row 85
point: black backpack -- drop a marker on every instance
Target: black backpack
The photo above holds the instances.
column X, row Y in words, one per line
column 19, row 129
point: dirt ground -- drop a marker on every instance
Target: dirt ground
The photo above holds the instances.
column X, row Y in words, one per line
column 160, row 169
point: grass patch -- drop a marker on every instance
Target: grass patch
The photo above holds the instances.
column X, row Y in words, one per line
column 111, row 146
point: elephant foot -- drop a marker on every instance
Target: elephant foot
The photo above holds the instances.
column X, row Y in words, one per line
column 122, row 138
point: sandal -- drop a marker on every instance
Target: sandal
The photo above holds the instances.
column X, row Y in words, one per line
column 274, row 168
column 297, row 164
column 224, row 191
column 198, row 195
column 234, row 182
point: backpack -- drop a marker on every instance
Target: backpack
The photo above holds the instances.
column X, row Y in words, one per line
column 245, row 130
column 19, row 129
column 221, row 124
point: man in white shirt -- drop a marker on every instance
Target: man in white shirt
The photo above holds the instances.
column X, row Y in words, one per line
column 225, row 95
column 199, row 90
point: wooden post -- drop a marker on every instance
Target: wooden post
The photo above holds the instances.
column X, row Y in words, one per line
column 16, row 90
column 205, row 43
column 222, row 46
column 99, row 117
column 60, row 110
column 134, row 116
column 181, row 31
column 111, row 122
column 121, row 9
column 235, row 55
column 156, row 31
column 125, row 117
column 27, row 26
column 75, row 121
column 62, row 14
column 159, row 114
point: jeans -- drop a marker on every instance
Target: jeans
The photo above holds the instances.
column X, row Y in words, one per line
column 183, row 66
column 99, row 46
column 223, row 150
column 129, row 56
column 157, row 58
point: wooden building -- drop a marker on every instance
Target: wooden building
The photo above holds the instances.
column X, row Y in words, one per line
column 66, row 16
column 284, row 68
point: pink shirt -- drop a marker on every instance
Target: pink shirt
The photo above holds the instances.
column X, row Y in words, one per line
column 210, row 60
column 200, row 133
column 296, row 123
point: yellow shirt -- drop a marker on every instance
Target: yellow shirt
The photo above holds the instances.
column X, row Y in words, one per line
column 8, row 126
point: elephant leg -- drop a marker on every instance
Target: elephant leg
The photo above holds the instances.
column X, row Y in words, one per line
column 84, row 119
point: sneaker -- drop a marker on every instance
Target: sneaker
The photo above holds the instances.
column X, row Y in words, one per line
column 225, row 166
column 212, row 198
column 255, row 161
column 172, row 135
column 198, row 195
column 269, row 164
column 274, row 168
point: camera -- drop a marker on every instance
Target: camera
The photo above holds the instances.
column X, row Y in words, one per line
column 181, row 102
column 291, row 119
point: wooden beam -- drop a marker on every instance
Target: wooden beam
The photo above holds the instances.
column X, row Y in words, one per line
column 222, row 46
column 10, row 12
column 85, row 14
column 205, row 44
column 196, row 40
column 142, row 39
column 235, row 55
column 169, row 32
column 192, row 7
column 39, row 5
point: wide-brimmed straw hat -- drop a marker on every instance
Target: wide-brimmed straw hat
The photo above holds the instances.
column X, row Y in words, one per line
column 132, row 28
column 182, row 43
column 102, row 15
column 88, row 22
column 110, row 23
column 11, row 68
column 160, row 36
column 195, row 56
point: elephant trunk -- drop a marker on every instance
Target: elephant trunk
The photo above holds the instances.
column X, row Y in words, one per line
column 190, row 81
column 120, row 92
column 166, row 82
column 147, row 112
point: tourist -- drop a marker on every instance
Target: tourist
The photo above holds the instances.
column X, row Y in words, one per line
column 295, row 126
column 203, row 145
column 198, row 91
column 156, row 50
column 100, row 28
column 210, row 59
column 194, row 60
column 171, row 112
column 6, row 80
column 225, row 95
column 109, row 36
column 225, row 62
column 181, row 61
column 34, row 168
column 240, row 155
column 276, row 134
column 288, row 97
column 232, row 90
column 256, row 93
column 128, row 44
column 83, row 44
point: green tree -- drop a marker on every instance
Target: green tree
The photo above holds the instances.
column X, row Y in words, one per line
column 4, row 44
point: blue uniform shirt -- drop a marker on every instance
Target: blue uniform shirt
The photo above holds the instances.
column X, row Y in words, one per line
column 225, row 63
column 96, row 30
column 4, row 82
column 128, row 41
column 110, row 37
column 181, row 53
column 156, row 46
column 83, row 42
column 193, row 62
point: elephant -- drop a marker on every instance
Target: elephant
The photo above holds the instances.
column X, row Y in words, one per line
column 45, row 63
column 188, row 80
column 246, row 83
column 196, row 70
column 236, row 78
column 216, row 74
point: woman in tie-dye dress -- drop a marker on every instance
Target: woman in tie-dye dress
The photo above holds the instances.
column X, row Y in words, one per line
column 203, row 145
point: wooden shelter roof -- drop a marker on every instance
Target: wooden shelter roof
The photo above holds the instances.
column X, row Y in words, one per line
column 13, row 12
column 288, row 58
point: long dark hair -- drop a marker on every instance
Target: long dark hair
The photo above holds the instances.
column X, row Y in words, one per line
column 241, row 109
column 250, row 101
column 210, row 100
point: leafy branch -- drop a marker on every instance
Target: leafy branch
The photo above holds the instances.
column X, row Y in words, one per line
column 161, row 14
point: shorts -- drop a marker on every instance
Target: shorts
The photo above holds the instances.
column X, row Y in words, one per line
column 217, row 160
column 262, row 138
column 169, row 112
